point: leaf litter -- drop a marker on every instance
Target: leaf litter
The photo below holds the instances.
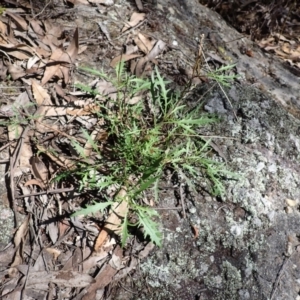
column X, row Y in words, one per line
column 43, row 136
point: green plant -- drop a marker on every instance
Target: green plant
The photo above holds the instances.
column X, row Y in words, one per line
column 14, row 117
column 220, row 75
column 147, row 129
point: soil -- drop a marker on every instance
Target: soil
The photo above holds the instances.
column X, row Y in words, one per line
column 244, row 244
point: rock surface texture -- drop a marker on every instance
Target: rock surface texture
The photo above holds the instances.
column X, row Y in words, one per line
column 246, row 242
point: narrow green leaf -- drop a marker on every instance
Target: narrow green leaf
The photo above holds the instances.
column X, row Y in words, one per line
column 86, row 88
column 144, row 185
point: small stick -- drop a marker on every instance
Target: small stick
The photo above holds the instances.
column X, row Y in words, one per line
column 279, row 275
column 57, row 191
column 182, row 199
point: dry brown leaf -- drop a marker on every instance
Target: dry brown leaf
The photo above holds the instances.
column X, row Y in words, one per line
column 82, row 48
column 19, row 51
column 157, row 49
column 18, row 20
column 62, row 94
column 77, row 259
column 3, row 28
column 144, row 43
column 43, row 52
column 21, row 35
column 37, row 27
column 63, row 227
column 117, row 213
column 10, row 288
column 139, row 5
column 23, row 165
column 50, row 112
column 60, row 160
column 35, row 182
column 87, row 110
column 19, row 242
column 135, row 19
column 53, row 65
column 55, row 252
column 53, row 231
column 53, row 33
column 32, row 61
column 16, row 71
column 40, row 94
column 140, row 66
column 103, row 278
column 56, row 65
column 124, row 57
column 39, row 169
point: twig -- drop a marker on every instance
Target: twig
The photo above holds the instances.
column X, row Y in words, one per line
column 182, row 199
column 279, row 275
column 57, row 191
column 167, row 208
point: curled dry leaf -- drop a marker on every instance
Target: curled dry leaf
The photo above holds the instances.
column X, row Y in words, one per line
column 144, row 43
column 135, row 19
column 35, row 182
